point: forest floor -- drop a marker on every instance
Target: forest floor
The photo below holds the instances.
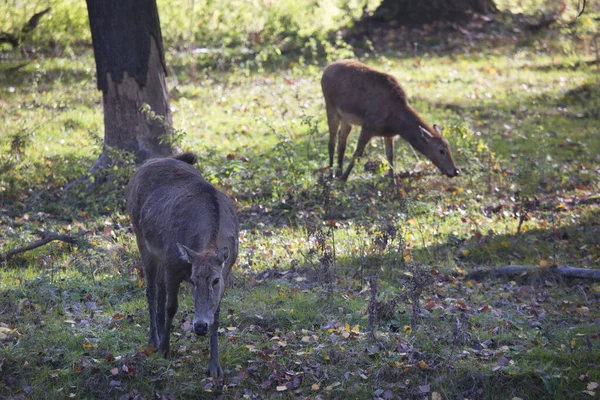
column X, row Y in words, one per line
column 356, row 290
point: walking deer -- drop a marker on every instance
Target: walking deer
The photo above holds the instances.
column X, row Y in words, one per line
column 356, row 94
column 185, row 230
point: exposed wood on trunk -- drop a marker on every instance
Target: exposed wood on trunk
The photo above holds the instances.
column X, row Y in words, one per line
column 131, row 73
column 562, row 270
column 47, row 237
column 126, row 126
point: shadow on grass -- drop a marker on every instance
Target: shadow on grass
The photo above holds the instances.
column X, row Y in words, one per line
column 576, row 245
column 24, row 73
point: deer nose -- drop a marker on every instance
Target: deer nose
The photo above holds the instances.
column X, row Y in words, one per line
column 452, row 173
column 200, row 328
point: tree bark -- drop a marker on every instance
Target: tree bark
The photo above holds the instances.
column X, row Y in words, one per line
column 131, row 73
column 423, row 11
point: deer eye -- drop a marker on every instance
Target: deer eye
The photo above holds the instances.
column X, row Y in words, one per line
column 216, row 281
column 442, row 152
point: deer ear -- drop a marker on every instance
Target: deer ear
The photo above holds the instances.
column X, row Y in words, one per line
column 437, row 129
column 425, row 134
column 186, row 254
column 223, row 254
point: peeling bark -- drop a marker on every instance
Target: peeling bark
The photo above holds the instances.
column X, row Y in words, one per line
column 126, row 126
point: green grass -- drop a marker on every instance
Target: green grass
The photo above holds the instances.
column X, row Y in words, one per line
column 521, row 118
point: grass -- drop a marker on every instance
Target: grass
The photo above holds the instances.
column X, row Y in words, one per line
column 521, row 117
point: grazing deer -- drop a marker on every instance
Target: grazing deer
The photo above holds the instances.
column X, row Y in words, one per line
column 356, row 94
column 185, row 230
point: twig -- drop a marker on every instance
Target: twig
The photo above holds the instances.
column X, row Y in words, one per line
column 17, row 67
column 582, row 9
column 372, row 308
column 47, row 237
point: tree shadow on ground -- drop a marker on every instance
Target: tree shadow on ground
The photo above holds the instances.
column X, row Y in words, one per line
column 576, row 245
column 481, row 34
column 24, row 73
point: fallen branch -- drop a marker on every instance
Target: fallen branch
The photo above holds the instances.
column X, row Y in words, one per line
column 6, row 37
column 47, row 237
column 562, row 270
column 33, row 22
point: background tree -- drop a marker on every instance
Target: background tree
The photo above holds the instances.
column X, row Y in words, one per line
column 420, row 11
column 131, row 71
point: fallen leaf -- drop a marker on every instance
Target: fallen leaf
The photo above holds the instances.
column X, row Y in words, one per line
column 424, row 388
column 436, row 396
column 281, row 388
column 592, row 386
column 430, row 305
column 315, row 386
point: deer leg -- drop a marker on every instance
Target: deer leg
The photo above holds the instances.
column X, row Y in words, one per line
column 333, row 120
column 363, row 140
column 172, row 303
column 161, row 302
column 150, row 274
column 343, row 139
column 214, row 367
column 389, row 153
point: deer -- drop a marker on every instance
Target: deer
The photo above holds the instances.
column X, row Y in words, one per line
column 356, row 94
column 186, row 230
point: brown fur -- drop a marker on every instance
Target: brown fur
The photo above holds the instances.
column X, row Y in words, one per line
column 185, row 230
column 356, row 94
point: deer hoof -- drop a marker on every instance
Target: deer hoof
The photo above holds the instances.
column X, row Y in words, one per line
column 214, row 370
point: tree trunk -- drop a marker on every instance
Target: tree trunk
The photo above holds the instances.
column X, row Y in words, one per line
column 422, row 11
column 131, row 71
